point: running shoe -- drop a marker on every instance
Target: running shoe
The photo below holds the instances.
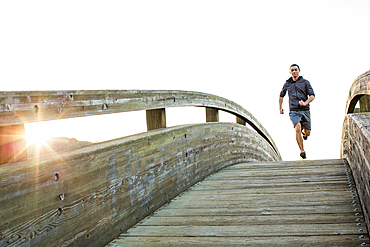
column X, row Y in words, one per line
column 304, row 136
column 303, row 154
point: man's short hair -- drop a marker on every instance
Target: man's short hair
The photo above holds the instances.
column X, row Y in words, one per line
column 295, row 65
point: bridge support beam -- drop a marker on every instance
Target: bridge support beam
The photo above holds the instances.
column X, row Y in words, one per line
column 240, row 121
column 156, row 119
column 365, row 103
column 12, row 144
column 211, row 114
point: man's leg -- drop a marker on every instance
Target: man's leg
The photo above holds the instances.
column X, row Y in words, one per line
column 298, row 135
column 296, row 118
column 306, row 124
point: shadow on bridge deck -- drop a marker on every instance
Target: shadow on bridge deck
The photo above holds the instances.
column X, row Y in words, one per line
column 296, row 203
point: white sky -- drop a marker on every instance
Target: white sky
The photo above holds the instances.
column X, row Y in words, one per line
column 240, row 50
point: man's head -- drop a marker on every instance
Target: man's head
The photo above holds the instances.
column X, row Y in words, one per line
column 294, row 71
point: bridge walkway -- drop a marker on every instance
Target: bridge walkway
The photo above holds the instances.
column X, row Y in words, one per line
column 291, row 203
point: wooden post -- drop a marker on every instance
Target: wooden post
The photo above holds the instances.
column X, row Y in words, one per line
column 156, row 119
column 365, row 103
column 12, row 144
column 240, row 121
column 211, row 114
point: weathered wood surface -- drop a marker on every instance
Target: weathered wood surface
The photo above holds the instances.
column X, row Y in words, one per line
column 88, row 196
column 356, row 138
column 359, row 88
column 301, row 203
column 156, row 119
column 212, row 115
column 355, row 149
column 33, row 106
column 364, row 103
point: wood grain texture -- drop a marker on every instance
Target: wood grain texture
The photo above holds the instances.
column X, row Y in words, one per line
column 19, row 107
column 211, row 115
column 259, row 204
column 88, row 196
column 355, row 142
column 156, row 119
column 355, row 149
column 282, row 241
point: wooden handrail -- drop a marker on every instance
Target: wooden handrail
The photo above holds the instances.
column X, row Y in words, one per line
column 18, row 107
column 359, row 88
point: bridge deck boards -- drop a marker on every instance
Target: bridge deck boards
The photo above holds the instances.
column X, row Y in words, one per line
column 301, row 203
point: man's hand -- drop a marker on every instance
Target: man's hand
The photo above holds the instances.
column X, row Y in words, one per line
column 309, row 100
column 281, row 105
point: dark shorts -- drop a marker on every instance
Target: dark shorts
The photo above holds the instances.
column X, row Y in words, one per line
column 301, row 116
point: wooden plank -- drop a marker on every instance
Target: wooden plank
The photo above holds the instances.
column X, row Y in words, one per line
column 265, row 189
column 240, row 121
column 284, row 172
column 301, row 178
column 281, row 180
column 211, row 115
column 283, row 198
column 246, row 230
column 273, row 186
column 258, row 200
column 156, row 119
column 281, row 241
column 296, row 164
column 224, row 220
column 263, row 210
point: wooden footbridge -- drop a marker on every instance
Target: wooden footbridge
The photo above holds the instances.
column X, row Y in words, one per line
column 210, row 184
column 301, row 203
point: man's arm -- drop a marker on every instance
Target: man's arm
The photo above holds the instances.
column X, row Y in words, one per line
column 309, row 100
column 280, row 105
column 282, row 94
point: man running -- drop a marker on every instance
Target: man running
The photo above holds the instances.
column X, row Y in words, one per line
column 301, row 95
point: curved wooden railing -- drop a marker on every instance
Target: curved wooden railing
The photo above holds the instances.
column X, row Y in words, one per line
column 355, row 144
column 359, row 91
column 34, row 106
column 88, row 196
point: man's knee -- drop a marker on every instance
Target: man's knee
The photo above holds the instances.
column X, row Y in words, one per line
column 298, row 127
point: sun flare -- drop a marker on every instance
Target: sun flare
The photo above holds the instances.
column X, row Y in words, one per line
column 33, row 137
column 38, row 141
column 36, row 135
